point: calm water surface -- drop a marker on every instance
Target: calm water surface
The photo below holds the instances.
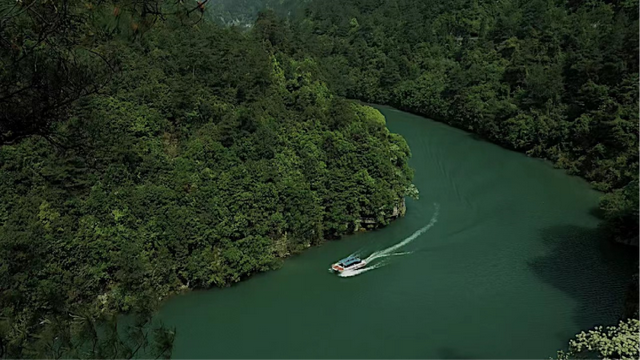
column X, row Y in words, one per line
column 512, row 268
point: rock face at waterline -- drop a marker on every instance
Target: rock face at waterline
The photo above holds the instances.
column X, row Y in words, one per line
column 368, row 223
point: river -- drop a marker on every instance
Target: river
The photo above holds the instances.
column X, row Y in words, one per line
column 512, row 267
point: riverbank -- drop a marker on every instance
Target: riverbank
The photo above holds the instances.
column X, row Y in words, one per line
column 509, row 247
column 164, row 182
column 468, row 69
column 632, row 242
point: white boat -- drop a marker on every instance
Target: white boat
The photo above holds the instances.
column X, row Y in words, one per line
column 348, row 263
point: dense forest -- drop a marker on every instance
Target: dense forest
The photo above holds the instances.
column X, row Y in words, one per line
column 203, row 159
column 145, row 150
column 552, row 79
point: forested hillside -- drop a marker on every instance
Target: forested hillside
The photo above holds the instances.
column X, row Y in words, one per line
column 243, row 13
column 204, row 159
column 552, row 79
column 145, row 150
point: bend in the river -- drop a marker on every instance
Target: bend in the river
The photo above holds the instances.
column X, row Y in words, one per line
column 512, row 267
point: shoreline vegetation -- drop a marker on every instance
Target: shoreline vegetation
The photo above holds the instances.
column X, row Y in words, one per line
column 490, row 69
column 206, row 158
column 144, row 149
column 557, row 81
column 553, row 80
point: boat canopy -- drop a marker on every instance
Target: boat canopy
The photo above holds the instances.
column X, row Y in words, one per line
column 349, row 261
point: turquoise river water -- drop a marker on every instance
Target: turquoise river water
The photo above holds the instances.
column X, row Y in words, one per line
column 512, row 266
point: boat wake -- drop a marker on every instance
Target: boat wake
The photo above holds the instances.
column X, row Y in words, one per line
column 350, row 273
column 391, row 251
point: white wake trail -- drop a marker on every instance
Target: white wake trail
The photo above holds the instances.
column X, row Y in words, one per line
column 350, row 273
column 391, row 251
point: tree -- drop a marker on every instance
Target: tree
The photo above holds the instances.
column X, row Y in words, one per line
column 56, row 52
column 208, row 159
column 614, row 342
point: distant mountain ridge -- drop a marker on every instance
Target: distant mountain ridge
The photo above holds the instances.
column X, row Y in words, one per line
column 243, row 13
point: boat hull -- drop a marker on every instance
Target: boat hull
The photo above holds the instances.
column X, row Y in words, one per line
column 339, row 269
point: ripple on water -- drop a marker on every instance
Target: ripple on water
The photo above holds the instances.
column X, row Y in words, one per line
column 513, row 268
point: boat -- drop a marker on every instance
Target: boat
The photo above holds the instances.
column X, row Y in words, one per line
column 348, row 263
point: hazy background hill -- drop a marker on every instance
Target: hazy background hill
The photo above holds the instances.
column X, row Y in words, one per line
column 243, row 13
